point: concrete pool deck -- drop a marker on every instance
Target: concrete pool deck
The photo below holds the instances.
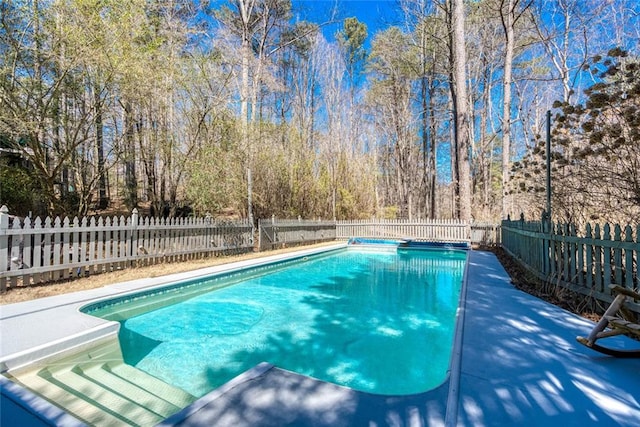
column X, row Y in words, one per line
column 520, row 365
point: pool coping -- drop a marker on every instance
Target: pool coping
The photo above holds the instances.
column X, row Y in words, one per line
column 248, row 375
column 455, row 365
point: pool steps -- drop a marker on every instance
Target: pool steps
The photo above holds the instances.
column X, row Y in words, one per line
column 106, row 392
column 173, row 395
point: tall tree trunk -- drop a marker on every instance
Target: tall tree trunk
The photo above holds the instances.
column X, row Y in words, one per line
column 102, row 178
column 244, row 121
column 245, row 7
column 488, row 140
column 433, row 148
column 131, row 183
column 425, row 136
column 507, row 24
column 49, row 182
column 455, row 172
column 462, row 136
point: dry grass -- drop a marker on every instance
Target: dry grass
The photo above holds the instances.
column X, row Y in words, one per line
column 26, row 293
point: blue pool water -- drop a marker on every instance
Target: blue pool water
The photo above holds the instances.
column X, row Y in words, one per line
column 376, row 321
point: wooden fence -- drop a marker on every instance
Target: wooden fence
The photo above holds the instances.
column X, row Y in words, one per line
column 584, row 261
column 277, row 233
column 39, row 251
column 425, row 230
column 485, row 233
column 36, row 251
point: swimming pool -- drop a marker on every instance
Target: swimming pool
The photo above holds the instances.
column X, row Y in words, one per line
column 375, row 320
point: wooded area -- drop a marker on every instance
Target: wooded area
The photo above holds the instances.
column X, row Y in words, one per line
column 242, row 110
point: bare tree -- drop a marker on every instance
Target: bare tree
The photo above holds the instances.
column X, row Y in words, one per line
column 461, row 111
column 510, row 12
column 567, row 38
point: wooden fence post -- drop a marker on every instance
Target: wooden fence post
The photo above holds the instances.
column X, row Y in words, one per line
column 545, row 241
column 4, row 245
column 589, row 256
column 553, row 249
column 207, row 235
column 133, row 251
column 597, row 253
column 606, row 256
column 628, row 258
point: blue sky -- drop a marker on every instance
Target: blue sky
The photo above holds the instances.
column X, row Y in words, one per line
column 377, row 14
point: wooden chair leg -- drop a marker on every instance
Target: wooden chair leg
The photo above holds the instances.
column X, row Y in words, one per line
column 602, row 324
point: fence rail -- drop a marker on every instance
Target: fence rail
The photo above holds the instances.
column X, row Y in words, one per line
column 584, row 261
column 36, row 251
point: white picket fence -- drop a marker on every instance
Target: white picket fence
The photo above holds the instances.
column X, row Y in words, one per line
column 37, row 251
column 424, row 230
column 34, row 251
